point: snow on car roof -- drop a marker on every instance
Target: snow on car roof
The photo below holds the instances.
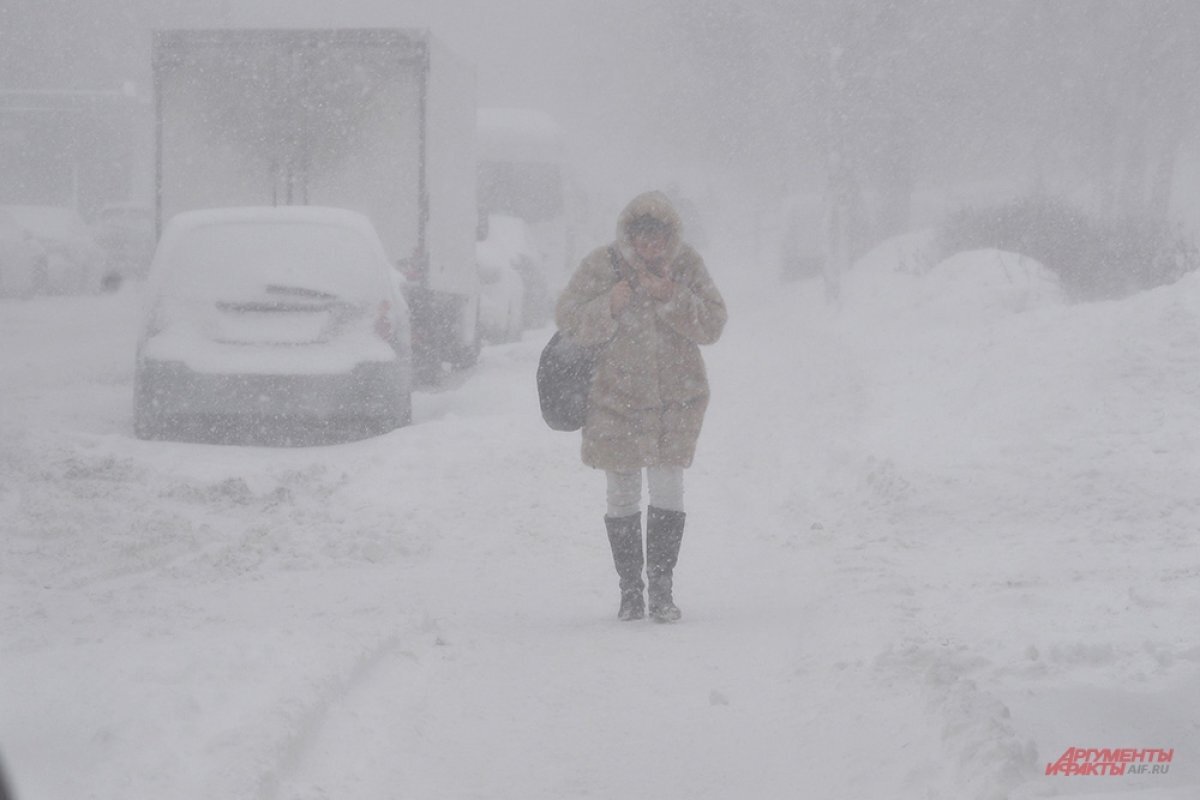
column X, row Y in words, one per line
column 343, row 217
column 300, row 255
column 507, row 241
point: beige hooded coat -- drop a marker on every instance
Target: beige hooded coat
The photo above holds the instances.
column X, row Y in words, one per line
column 650, row 390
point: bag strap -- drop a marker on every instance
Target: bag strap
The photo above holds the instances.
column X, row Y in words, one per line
column 615, row 261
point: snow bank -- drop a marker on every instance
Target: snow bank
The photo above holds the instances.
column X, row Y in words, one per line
column 903, row 276
column 987, row 285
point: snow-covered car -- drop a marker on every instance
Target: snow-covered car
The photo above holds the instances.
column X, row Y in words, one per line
column 501, row 298
column 500, row 303
column 513, row 284
column 75, row 263
column 126, row 233
column 272, row 326
column 22, row 260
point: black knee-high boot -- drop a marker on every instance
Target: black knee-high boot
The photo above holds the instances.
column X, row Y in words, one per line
column 664, row 533
column 625, row 538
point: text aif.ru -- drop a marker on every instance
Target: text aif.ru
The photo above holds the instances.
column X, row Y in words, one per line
column 1116, row 761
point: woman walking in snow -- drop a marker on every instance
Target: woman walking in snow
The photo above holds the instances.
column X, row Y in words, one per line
column 650, row 301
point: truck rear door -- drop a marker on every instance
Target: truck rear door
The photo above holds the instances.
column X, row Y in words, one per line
column 260, row 117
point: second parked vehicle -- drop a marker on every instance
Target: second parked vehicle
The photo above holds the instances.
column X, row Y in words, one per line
column 506, row 261
column 74, row 263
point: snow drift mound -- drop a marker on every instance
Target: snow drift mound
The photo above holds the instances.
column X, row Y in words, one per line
column 902, row 274
column 988, row 284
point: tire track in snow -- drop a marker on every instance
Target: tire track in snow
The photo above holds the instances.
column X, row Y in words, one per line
column 310, row 734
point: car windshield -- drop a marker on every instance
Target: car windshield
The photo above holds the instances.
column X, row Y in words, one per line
column 245, row 260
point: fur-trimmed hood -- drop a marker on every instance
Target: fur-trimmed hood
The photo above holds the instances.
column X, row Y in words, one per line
column 653, row 204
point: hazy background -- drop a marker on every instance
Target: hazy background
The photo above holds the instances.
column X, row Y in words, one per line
column 907, row 101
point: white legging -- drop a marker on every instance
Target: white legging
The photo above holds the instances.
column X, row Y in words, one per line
column 625, row 490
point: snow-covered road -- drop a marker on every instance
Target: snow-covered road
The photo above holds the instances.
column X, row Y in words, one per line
column 935, row 539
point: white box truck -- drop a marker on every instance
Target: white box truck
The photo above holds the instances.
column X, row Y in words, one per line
column 379, row 120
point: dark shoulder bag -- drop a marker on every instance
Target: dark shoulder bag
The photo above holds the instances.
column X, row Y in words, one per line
column 564, row 376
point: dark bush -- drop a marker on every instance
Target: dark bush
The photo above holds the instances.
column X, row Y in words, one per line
column 1094, row 258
